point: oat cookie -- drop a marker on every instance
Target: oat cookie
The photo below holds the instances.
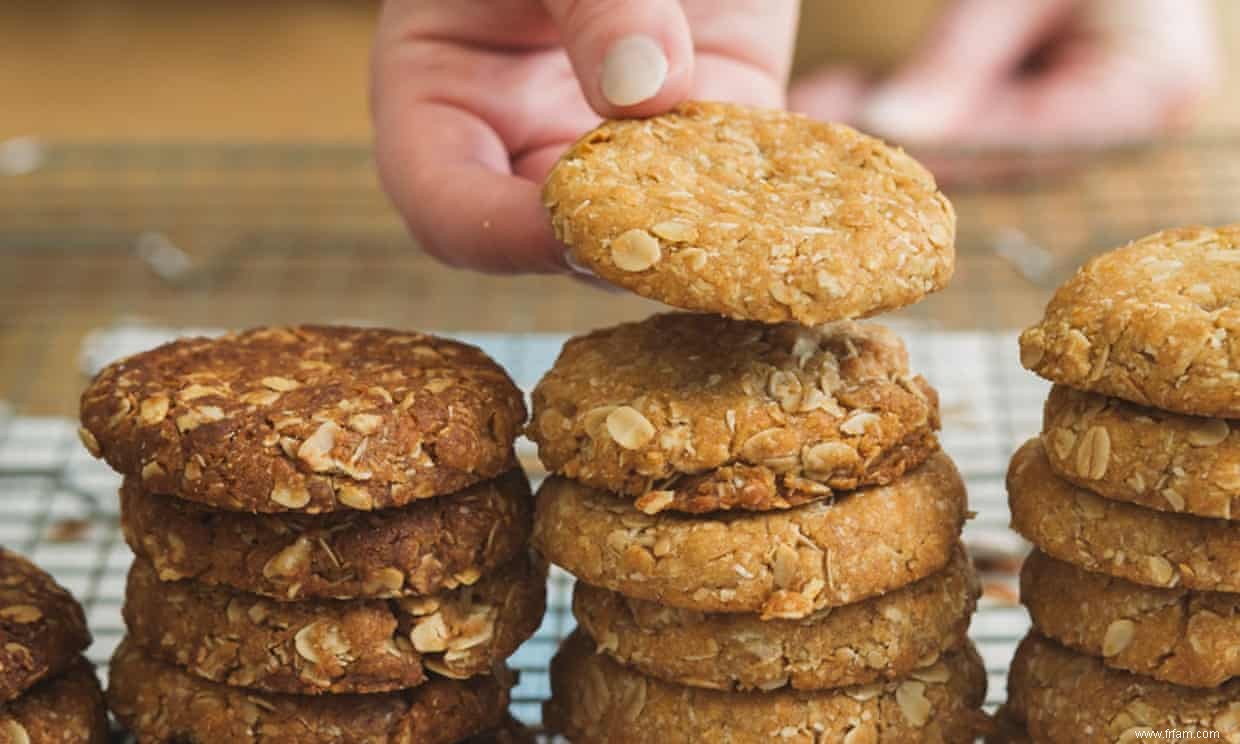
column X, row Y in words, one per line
column 1175, row 635
column 160, row 702
column 42, row 627
column 1131, row 542
column 784, row 564
column 510, row 731
column 1064, row 696
column 753, row 213
column 1154, row 322
column 697, row 413
column 66, row 709
column 416, row 550
column 881, row 638
column 595, row 699
column 1007, row 728
column 335, row 646
column 1166, row 461
column 309, row 418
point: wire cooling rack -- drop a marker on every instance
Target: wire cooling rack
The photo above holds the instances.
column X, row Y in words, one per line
column 105, row 248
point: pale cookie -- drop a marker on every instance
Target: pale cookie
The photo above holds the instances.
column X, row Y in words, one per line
column 697, row 413
column 753, row 213
column 1155, row 322
column 1175, row 635
column 66, row 709
column 882, row 638
column 596, row 700
column 334, row 646
column 309, row 418
column 159, row 702
column 1131, row 542
column 1063, row 696
column 42, row 627
column 1166, row 461
column 785, row 564
column 416, row 550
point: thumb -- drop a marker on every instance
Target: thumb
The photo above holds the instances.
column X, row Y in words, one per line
column 632, row 58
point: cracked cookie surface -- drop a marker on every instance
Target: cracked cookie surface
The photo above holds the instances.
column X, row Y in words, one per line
column 308, row 418
column 1156, row 322
column 699, row 413
column 753, row 213
column 784, row 564
column 42, row 627
column 66, row 709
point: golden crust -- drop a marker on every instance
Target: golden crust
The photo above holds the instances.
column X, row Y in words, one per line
column 784, row 564
column 66, row 709
column 1112, row 537
column 699, row 413
column 42, row 627
column 1155, row 322
column 308, row 418
column 753, row 213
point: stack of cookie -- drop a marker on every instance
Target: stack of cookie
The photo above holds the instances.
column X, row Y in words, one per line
column 1130, row 497
column 48, row 690
column 331, row 536
column 764, row 531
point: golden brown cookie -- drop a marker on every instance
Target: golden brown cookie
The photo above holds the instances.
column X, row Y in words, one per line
column 335, row 646
column 595, row 699
column 416, row 550
column 881, row 638
column 1156, row 322
column 1175, row 635
column 697, row 413
column 1008, row 729
column 784, row 564
column 1064, row 696
column 1162, row 460
column 65, row 709
column 309, row 418
column 159, row 702
column 753, row 213
column 42, row 627
column 510, row 731
column 1131, row 542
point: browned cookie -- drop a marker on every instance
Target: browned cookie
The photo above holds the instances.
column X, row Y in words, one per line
column 1175, row 635
column 753, row 213
column 1064, row 696
column 309, row 418
column 510, row 731
column 42, row 627
column 1166, row 461
column 697, row 413
column 416, row 550
column 66, row 709
column 882, row 638
column 1008, row 729
column 1149, row 547
column 159, row 702
column 784, row 564
column 335, row 646
column 1156, row 322
column 595, row 699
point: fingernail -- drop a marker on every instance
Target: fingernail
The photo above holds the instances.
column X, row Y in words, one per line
column 897, row 113
column 634, row 69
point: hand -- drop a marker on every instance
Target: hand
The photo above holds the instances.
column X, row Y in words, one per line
column 1035, row 72
column 473, row 101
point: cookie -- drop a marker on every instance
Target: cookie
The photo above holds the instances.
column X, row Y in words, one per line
column 1065, row 696
column 416, row 550
column 1174, row 635
column 160, row 702
column 785, row 564
column 307, row 419
column 42, row 627
column 753, row 213
column 334, row 646
column 1154, row 322
column 882, row 638
column 1131, row 542
column 595, row 699
column 698, row 413
column 1161, row 460
column 66, row 709
column 1007, row 728
column 510, row 731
